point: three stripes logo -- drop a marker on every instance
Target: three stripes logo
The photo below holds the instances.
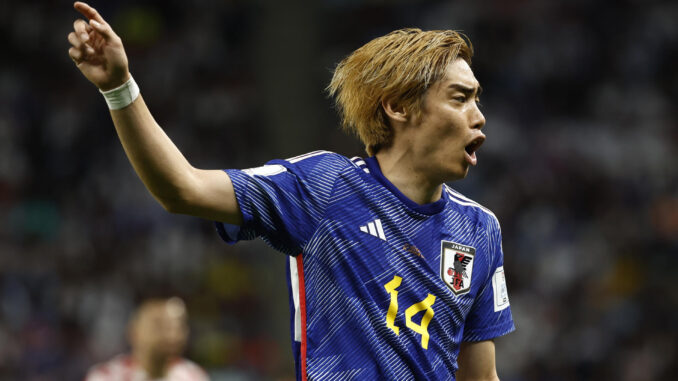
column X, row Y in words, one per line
column 374, row 228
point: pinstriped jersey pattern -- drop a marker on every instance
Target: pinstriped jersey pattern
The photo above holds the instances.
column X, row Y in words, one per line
column 315, row 205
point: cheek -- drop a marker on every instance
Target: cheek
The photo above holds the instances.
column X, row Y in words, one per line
column 449, row 135
column 440, row 132
column 448, row 122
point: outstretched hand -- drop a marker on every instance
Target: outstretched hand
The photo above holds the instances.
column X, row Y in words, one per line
column 96, row 50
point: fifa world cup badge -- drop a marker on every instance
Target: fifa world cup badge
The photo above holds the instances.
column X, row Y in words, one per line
column 456, row 266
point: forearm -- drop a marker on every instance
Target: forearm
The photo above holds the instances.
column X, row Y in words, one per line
column 464, row 378
column 476, row 361
column 161, row 166
column 98, row 53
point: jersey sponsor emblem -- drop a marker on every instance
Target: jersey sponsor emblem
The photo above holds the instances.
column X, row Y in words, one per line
column 456, row 266
column 374, row 228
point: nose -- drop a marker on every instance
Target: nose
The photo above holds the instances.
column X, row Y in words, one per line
column 477, row 118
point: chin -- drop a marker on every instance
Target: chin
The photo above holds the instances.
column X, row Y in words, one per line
column 456, row 175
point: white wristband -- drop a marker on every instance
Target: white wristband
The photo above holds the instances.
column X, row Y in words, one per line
column 122, row 96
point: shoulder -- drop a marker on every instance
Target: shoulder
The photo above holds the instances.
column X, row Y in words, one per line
column 113, row 369
column 317, row 170
column 317, row 156
column 485, row 220
column 316, row 162
column 474, row 210
column 185, row 369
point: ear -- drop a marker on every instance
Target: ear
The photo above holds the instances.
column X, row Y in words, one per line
column 394, row 111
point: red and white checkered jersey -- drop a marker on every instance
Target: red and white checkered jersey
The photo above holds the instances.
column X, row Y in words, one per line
column 125, row 368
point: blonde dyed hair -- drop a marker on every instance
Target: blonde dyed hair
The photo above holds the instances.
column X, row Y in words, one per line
column 399, row 67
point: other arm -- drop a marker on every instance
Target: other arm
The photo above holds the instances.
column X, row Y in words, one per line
column 179, row 187
column 477, row 361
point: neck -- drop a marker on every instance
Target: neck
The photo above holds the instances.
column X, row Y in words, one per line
column 155, row 367
column 409, row 176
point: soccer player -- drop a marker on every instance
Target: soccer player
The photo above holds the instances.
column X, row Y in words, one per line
column 392, row 274
column 157, row 335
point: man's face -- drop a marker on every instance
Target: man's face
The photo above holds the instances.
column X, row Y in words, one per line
column 447, row 132
column 161, row 329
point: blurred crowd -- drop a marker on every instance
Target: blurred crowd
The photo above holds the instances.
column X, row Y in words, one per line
column 580, row 166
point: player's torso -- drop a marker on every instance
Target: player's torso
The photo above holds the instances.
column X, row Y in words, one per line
column 387, row 288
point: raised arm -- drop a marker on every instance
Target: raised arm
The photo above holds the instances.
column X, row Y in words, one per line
column 99, row 54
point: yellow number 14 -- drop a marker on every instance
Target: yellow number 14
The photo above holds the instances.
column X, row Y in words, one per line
column 424, row 305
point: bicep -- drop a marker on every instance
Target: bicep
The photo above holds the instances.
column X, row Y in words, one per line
column 476, row 361
column 211, row 196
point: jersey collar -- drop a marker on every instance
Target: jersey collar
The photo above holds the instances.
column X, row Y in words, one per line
column 428, row 209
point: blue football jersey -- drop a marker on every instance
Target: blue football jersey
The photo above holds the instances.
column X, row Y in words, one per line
column 381, row 288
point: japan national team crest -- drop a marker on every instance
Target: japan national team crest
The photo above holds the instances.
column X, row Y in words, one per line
column 456, row 266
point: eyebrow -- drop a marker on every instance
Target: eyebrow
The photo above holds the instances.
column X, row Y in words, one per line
column 466, row 90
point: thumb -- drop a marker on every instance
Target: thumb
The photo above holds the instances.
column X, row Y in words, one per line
column 104, row 29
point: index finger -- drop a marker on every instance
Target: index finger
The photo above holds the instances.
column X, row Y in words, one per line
column 88, row 11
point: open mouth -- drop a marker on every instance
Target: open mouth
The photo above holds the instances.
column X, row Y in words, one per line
column 471, row 149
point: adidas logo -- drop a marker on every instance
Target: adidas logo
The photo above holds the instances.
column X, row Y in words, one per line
column 374, row 228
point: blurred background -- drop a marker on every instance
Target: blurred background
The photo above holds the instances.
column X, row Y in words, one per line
column 580, row 167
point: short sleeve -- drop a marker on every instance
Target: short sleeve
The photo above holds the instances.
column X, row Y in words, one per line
column 490, row 315
column 283, row 201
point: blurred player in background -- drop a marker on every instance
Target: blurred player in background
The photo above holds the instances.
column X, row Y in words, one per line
column 392, row 274
column 157, row 334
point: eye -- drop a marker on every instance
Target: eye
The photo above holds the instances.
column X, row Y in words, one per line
column 478, row 103
column 460, row 98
